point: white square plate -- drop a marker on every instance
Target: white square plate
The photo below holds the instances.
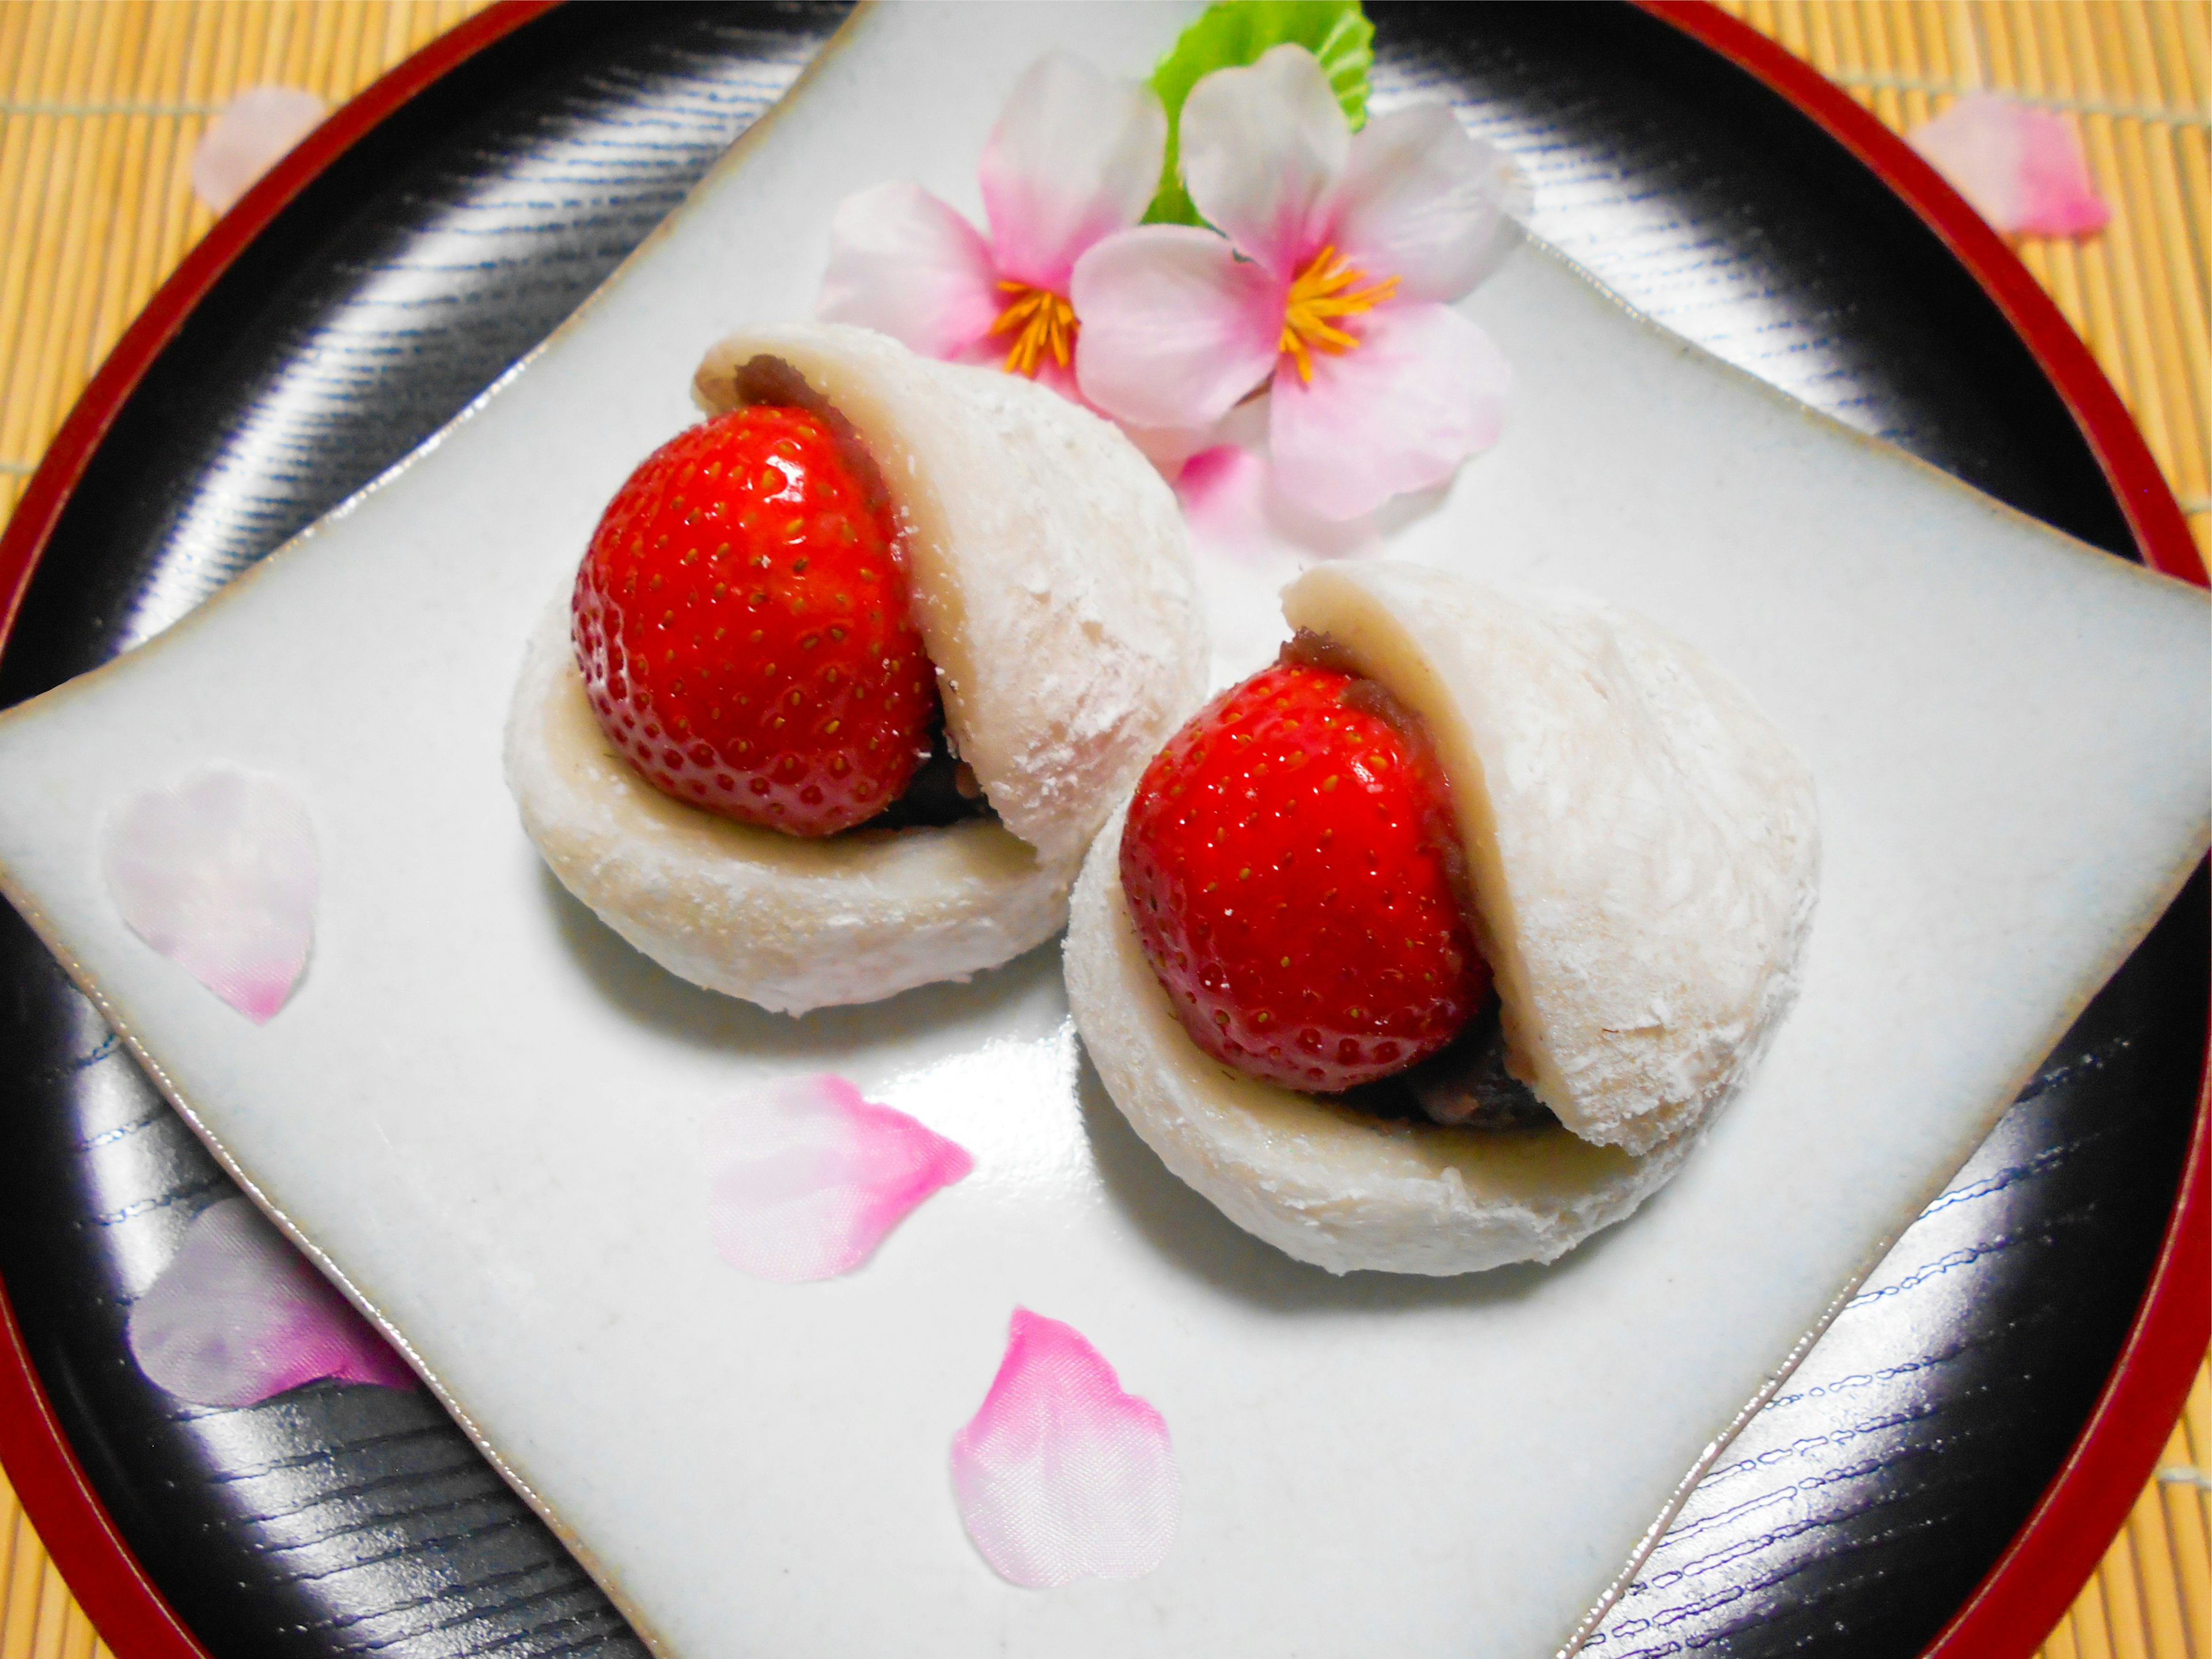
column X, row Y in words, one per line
column 507, row 1176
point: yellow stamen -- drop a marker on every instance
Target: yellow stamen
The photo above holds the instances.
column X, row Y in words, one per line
column 1040, row 321
column 1317, row 294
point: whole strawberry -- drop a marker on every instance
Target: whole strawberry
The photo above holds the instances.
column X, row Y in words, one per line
column 1288, row 861
column 742, row 622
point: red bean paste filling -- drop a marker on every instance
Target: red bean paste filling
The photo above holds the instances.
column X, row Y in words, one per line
column 943, row 790
column 1465, row 1085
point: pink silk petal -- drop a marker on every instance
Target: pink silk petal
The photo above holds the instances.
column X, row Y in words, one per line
column 1175, row 329
column 903, row 264
column 1423, row 202
column 1424, row 390
column 220, row 875
column 253, row 134
column 1061, row 1476
column 1233, row 509
column 2021, row 168
column 1262, row 147
column 1075, row 156
column 807, row 1178
column 239, row 1316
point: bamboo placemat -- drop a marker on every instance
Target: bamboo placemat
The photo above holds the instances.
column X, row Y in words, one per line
column 2135, row 79
column 102, row 100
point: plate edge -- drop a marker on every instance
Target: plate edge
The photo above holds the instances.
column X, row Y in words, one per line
column 2051, row 1557
column 56, row 1494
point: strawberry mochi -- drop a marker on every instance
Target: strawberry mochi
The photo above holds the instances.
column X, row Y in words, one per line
column 1641, row 851
column 1049, row 582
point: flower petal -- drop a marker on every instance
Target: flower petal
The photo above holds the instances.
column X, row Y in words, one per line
column 1421, row 201
column 1168, row 447
column 808, row 1177
column 239, row 1316
column 1075, row 156
column 1424, row 390
column 2021, row 168
column 255, row 132
column 1174, row 328
column 903, row 264
column 1061, row 1476
column 1262, row 147
column 220, row 875
column 1233, row 507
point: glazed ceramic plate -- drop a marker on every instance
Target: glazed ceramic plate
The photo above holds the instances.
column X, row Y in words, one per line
column 495, row 1156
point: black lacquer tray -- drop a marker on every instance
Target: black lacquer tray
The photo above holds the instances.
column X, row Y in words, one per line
column 1860, row 1506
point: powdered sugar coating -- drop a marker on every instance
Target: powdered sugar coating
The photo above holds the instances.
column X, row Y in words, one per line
column 1061, row 1475
column 1644, row 845
column 1319, row 1182
column 787, row 923
column 237, row 1317
column 1053, row 586
column 1051, row 572
column 807, row 1177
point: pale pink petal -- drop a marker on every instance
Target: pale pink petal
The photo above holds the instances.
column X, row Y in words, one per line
column 239, row 1316
column 1233, row 507
column 1424, row 390
column 1168, row 447
column 1075, row 156
column 807, row 1177
column 1175, row 329
column 903, row 264
column 1423, row 202
column 1262, row 149
column 220, row 875
column 1061, row 1476
column 2021, row 168
column 251, row 135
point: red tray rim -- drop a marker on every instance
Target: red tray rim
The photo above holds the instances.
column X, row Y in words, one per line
column 2041, row 1571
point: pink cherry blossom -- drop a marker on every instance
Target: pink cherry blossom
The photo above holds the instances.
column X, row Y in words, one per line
column 1234, row 504
column 1332, row 288
column 2021, row 168
column 1060, row 1475
column 1075, row 156
column 807, row 1177
column 239, row 1316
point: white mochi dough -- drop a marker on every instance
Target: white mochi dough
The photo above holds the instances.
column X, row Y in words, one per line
column 1643, row 847
column 1320, row 1182
column 1053, row 587
column 1052, row 574
column 788, row 923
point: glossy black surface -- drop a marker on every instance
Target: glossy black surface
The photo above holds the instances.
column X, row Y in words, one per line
column 1854, row 1512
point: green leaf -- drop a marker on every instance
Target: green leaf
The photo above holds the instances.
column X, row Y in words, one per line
column 1237, row 32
